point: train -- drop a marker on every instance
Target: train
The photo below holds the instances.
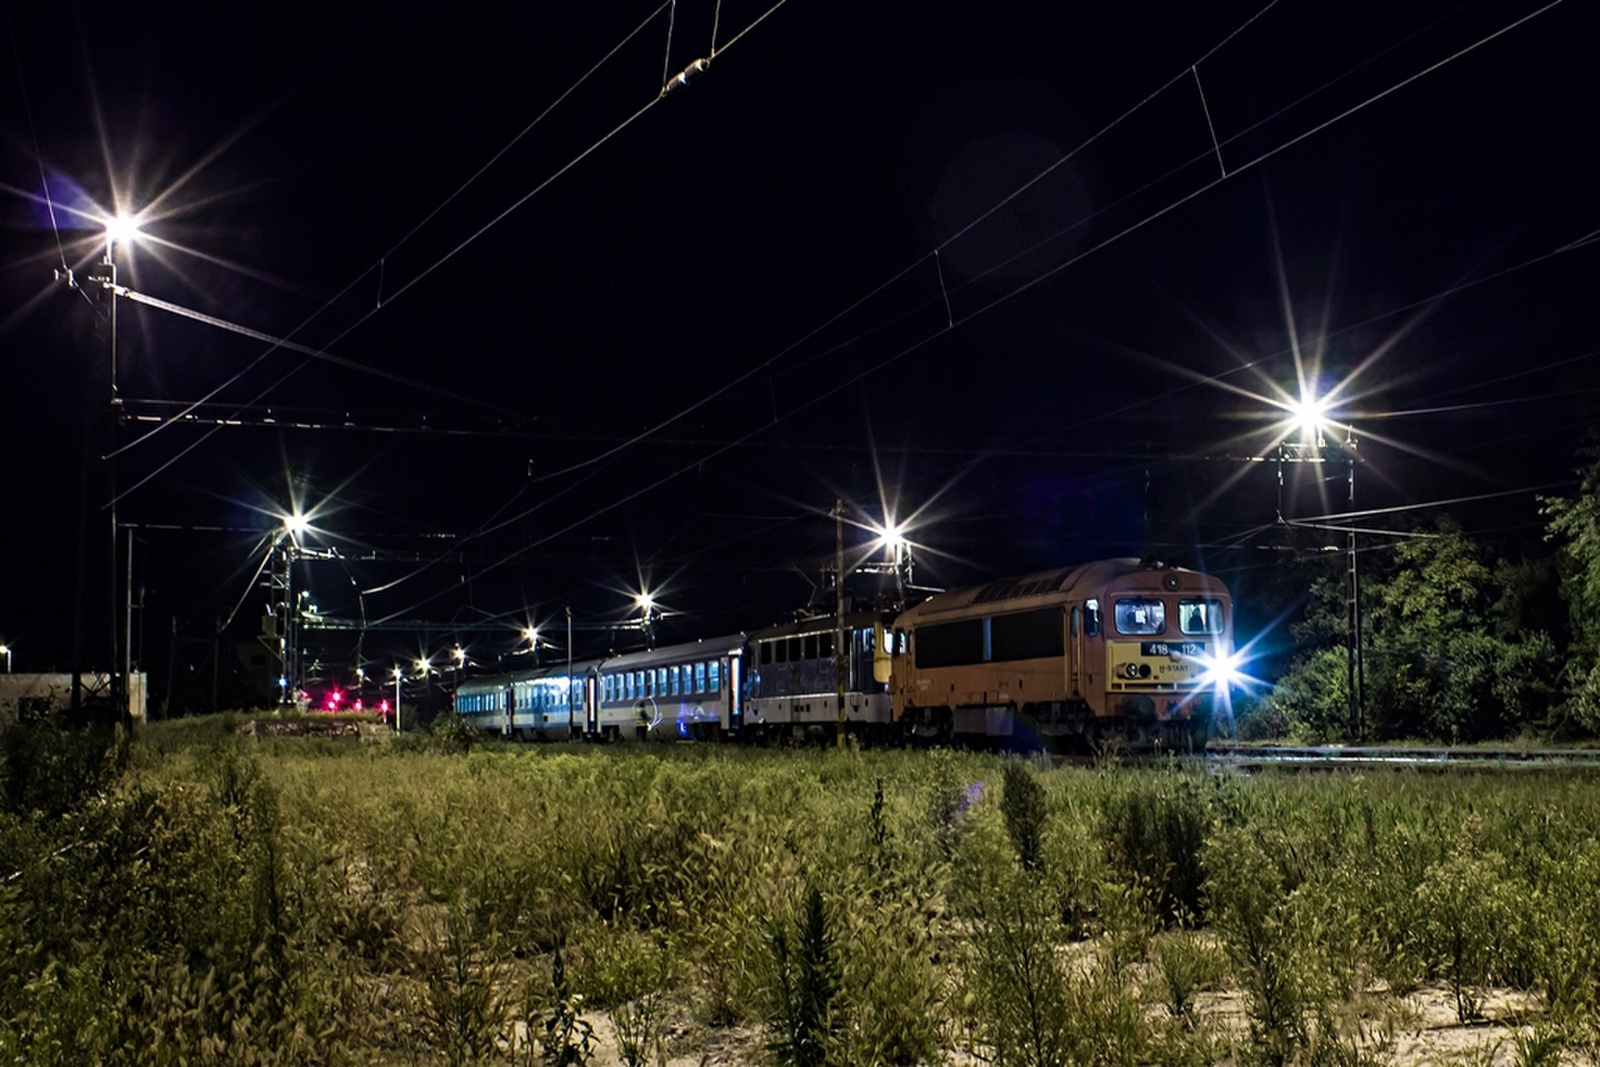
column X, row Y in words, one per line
column 1133, row 652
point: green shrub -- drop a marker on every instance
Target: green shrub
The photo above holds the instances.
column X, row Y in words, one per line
column 1188, row 965
column 802, row 1011
column 1469, row 908
column 1022, row 803
column 1156, row 837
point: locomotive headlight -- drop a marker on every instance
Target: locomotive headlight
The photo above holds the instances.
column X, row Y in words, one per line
column 1222, row 671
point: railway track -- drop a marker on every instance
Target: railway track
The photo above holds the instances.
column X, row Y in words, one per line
column 1433, row 758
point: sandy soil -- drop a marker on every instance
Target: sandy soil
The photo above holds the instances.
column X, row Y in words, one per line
column 1425, row 1033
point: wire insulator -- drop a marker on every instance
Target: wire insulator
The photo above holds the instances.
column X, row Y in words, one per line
column 689, row 73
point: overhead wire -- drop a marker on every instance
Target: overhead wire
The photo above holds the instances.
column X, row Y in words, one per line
column 380, row 264
column 1024, row 287
column 403, row 289
column 998, row 205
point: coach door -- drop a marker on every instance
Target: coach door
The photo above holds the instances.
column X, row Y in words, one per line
column 733, row 678
column 591, row 702
column 1074, row 652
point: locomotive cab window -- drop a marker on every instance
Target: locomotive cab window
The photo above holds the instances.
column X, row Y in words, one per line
column 1141, row 616
column 1200, row 616
column 1091, row 618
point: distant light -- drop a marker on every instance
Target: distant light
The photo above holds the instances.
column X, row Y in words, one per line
column 460, row 655
column 397, row 673
column 646, row 602
column 532, row 634
column 423, row 665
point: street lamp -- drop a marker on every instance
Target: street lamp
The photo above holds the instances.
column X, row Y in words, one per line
column 1308, row 416
column 459, row 654
column 398, row 675
column 6, row 649
column 99, row 443
column 646, row 602
column 897, row 553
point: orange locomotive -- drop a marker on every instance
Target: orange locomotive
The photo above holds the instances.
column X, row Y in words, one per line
column 1124, row 649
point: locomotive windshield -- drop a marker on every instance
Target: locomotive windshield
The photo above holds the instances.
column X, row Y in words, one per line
column 1200, row 616
column 1141, row 616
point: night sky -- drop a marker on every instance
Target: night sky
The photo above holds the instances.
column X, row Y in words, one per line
column 987, row 264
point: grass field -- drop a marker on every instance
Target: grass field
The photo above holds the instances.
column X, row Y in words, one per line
column 196, row 897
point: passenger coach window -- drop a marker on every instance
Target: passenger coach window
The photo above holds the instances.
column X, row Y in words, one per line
column 1141, row 616
column 716, row 677
column 811, row 647
column 699, row 677
column 1200, row 616
column 825, row 645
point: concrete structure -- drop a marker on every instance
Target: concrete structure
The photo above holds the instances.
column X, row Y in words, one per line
column 36, row 693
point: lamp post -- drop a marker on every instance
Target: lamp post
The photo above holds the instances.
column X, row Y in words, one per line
column 425, row 668
column 398, row 675
column 99, row 434
column 1309, row 415
column 569, row 673
column 458, row 654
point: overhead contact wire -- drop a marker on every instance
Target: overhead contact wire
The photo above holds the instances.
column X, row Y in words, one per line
column 399, row 244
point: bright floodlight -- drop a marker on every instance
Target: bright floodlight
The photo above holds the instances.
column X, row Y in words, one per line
column 1309, row 415
column 121, row 230
column 646, row 602
column 893, row 538
column 460, row 654
column 296, row 524
column 532, row 634
column 423, row 665
column 397, row 672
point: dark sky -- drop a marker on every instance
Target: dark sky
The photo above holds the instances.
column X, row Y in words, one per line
column 756, row 254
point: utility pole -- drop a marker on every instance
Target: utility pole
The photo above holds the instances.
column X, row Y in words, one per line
column 1355, row 667
column 840, row 660
column 1356, row 679
column 570, row 727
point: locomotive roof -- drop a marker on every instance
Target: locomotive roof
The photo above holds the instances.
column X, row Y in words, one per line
column 1045, row 587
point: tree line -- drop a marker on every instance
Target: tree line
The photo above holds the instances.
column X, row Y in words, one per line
column 1457, row 644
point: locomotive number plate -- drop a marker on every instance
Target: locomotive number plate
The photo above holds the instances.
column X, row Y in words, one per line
column 1172, row 648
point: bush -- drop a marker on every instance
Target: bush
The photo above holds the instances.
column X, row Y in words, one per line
column 803, row 1015
column 1023, row 806
column 1156, row 838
